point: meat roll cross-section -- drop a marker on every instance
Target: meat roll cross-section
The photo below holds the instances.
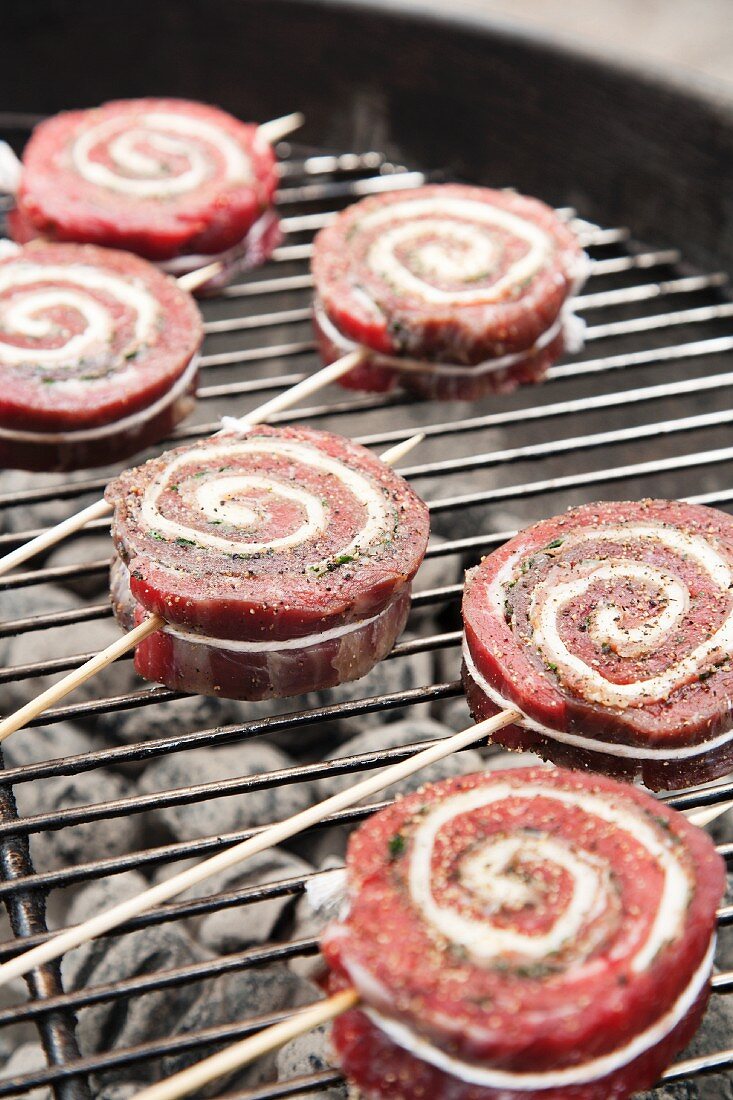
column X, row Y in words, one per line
column 531, row 933
column 450, row 291
column 178, row 182
column 98, row 356
column 611, row 629
column 281, row 560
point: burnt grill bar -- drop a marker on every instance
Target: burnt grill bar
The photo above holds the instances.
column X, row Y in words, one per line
column 26, row 909
column 646, row 307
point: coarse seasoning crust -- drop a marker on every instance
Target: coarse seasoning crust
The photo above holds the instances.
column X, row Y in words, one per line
column 79, row 182
column 460, row 929
column 278, row 533
column 612, row 623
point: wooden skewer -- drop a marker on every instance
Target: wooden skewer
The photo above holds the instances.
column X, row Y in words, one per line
column 192, row 280
column 293, row 394
column 703, row 817
column 247, row 1050
column 269, row 837
column 278, row 128
column 100, row 508
column 231, row 857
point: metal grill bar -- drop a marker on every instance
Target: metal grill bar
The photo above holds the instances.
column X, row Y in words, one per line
column 632, row 299
column 27, row 914
column 170, row 853
column 182, row 975
column 682, row 388
column 506, row 493
column 73, row 765
column 213, row 1036
column 196, row 972
column 564, row 408
column 142, row 1053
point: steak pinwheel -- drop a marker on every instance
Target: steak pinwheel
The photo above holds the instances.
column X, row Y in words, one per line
column 281, row 560
column 178, row 182
column 611, row 629
column 449, row 290
column 532, row 933
column 98, row 356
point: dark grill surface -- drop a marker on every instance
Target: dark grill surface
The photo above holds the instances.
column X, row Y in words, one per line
column 645, row 409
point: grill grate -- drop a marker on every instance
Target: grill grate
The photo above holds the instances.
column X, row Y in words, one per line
column 603, row 422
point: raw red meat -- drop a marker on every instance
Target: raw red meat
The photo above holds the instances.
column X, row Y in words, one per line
column 97, row 355
column 381, row 374
column 611, row 629
column 386, row 1071
column 187, row 661
column 252, row 251
column 531, row 932
column 275, row 533
column 49, row 452
column 160, row 177
column 447, row 286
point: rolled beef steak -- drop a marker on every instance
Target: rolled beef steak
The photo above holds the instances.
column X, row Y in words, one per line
column 178, row 182
column 449, row 290
column 535, row 934
column 280, row 558
column 611, row 629
column 98, row 356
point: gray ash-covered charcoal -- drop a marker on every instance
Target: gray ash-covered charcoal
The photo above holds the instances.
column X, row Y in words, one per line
column 164, row 719
column 82, row 552
column 436, row 571
column 65, row 640
column 125, row 1091
column 234, row 998
column 392, row 735
column 308, row 1054
column 52, row 742
column 311, row 917
column 469, row 520
column 724, row 953
column 243, row 925
column 455, row 714
column 684, row 1090
column 27, row 1058
column 322, row 844
column 48, row 512
column 85, row 841
column 228, row 814
column 714, row 1035
column 113, row 960
column 388, row 677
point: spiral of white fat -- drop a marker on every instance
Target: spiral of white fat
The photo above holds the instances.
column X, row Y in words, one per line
column 571, row 326
column 519, row 1081
column 218, row 498
column 606, row 623
column 24, row 313
column 483, row 876
column 138, row 172
column 451, row 241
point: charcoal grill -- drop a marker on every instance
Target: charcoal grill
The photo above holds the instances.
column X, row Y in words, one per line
column 643, row 167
